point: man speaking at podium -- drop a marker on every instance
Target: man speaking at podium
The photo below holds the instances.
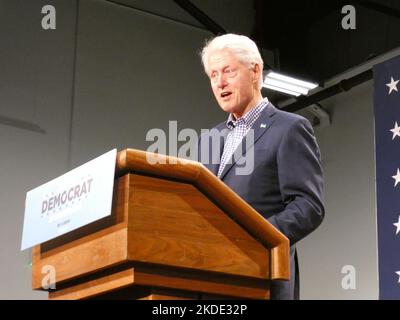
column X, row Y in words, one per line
column 284, row 183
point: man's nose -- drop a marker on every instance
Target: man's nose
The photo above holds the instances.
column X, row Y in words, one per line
column 221, row 81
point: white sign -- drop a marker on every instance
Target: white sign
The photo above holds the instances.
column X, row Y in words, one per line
column 70, row 201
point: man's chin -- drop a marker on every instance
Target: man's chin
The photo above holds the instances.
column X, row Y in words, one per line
column 226, row 107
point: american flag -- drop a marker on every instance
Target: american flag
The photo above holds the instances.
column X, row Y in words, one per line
column 387, row 149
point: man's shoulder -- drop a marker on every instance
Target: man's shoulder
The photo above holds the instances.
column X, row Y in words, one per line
column 220, row 126
column 289, row 118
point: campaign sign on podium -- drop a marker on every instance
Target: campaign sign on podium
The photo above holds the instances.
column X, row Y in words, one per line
column 77, row 198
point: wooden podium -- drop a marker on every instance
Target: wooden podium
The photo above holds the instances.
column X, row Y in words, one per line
column 176, row 232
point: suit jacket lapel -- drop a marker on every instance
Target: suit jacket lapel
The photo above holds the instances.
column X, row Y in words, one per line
column 215, row 166
column 260, row 126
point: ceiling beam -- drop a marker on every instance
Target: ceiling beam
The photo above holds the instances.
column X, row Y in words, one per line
column 200, row 16
column 342, row 86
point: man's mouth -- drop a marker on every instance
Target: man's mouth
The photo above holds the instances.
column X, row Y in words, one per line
column 225, row 94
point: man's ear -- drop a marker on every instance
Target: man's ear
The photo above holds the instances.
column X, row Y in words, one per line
column 256, row 74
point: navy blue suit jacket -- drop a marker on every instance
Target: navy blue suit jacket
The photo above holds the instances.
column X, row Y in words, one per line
column 286, row 184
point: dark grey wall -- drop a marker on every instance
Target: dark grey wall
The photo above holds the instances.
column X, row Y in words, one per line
column 347, row 236
column 134, row 72
column 35, row 86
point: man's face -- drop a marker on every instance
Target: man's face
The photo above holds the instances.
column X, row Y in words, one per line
column 233, row 83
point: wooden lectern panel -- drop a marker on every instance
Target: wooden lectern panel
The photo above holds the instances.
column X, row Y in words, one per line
column 152, row 282
column 194, row 173
column 172, row 223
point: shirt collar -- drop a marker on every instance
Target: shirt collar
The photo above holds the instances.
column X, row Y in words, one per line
column 248, row 117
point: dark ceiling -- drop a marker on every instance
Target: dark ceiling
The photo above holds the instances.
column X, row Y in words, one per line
column 307, row 38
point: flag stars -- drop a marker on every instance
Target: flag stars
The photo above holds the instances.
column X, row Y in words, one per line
column 396, row 177
column 396, row 131
column 397, row 225
column 392, row 85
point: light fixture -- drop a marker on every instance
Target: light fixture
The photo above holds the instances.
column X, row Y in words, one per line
column 281, row 90
column 285, row 84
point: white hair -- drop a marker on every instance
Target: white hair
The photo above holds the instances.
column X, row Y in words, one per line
column 242, row 47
